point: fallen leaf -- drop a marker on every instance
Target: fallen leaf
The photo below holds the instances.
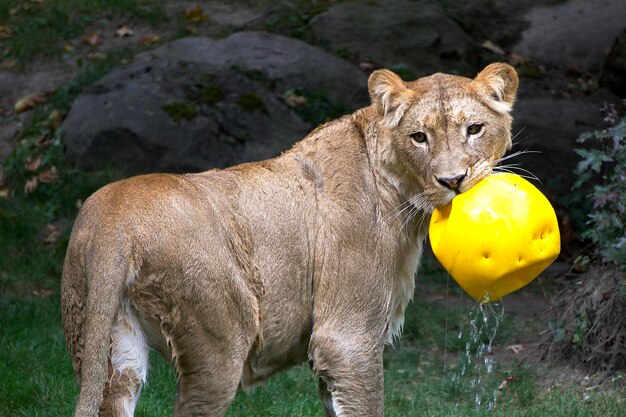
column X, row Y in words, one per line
column 15, row 10
column 38, row 1
column 366, row 66
column 516, row 348
column 55, row 119
column 96, row 55
column 295, row 100
column 506, row 382
column 4, row 192
column 124, row 32
column 32, row 163
column 8, row 63
column 191, row 30
column 52, row 234
column 92, row 39
column 516, row 60
column 5, row 32
column 195, row 14
column 68, row 47
column 43, row 292
column 43, row 141
column 30, row 185
column 492, row 47
column 79, row 203
column 150, row 39
column 29, row 102
column 49, row 175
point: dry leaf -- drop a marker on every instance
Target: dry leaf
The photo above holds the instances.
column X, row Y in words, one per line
column 516, row 60
column 54, row 119
column 4, row 192
column 92, row 39
column 366, row 66
column 8, row 63
column 294, row 100
column 490, row 46
column 124, row 32
column 516, row 348
column 506, row 382
column 79, row 203
column 32, row 163
column 43, row 292
column 96, row 55
column 38, row 1
column 31, row 185
column 150, row 39
column 49, row 175
column 5, row 32
column 68, row 47
column 29, row 101
column 195, row 14
column 52, row 234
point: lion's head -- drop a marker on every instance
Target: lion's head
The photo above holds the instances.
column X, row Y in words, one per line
column 440, row 135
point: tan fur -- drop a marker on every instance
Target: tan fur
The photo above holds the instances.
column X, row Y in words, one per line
column 236, row 274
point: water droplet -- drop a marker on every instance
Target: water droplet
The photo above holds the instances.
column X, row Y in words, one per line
column 477, row 367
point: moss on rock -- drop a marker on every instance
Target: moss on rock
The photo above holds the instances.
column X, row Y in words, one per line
column 211, row 94
column 251, row 102
column 178, row 110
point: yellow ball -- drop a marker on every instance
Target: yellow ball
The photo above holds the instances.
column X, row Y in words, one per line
column 496, row 237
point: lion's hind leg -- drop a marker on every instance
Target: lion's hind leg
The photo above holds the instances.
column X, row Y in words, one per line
column 128, row 365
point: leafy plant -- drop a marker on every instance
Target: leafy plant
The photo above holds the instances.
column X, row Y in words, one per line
column 602, row 170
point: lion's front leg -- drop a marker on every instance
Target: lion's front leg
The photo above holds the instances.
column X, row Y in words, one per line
column 350, row 368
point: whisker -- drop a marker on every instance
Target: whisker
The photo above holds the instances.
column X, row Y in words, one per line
column 528, row 177
column 398, row 210
column 517, row 134
column 513, row 155
column 516, row 167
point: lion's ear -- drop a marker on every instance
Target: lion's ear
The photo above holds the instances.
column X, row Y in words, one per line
column 497, row 84
column 389, row 95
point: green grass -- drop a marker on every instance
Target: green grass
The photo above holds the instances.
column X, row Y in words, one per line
column 38, row 380
column 40, row 30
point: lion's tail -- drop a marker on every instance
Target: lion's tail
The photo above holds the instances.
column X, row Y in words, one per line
column 91, row 298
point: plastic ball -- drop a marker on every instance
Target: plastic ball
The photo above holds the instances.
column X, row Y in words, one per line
column 496, row 237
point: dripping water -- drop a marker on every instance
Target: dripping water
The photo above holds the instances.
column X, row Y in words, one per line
column 476, row 364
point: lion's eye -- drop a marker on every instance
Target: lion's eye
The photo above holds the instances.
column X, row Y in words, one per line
column 474, row 129
column 419, row 137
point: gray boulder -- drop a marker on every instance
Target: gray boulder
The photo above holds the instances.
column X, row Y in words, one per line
column 615, row 65
column 575, row 32
column 550, row 125
column 396, row 33
column 199, row 103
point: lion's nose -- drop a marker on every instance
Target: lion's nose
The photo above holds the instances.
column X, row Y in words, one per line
column 452, row 183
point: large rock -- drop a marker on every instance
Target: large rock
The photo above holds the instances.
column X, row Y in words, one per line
column 551, row 125
column 284, row 62
column 575, row 32
column 615, row 65
column 392, row 33
column 199, row 103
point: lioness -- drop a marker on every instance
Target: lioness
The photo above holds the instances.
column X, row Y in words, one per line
column 236, row 274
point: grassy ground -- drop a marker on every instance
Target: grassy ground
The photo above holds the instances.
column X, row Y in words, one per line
column 42, row 29
column 38, row 380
